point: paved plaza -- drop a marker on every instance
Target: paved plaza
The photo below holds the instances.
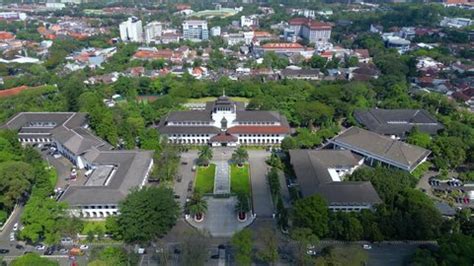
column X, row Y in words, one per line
column 220, row 219
column 222, row 178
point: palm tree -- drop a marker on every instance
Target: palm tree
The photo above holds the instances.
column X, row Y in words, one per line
column 197, row 206
column 242, row 206
column 240, row 156
column 205, row 155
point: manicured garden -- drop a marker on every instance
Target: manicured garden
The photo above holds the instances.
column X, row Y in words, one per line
column 239, row 179
column 205, row 179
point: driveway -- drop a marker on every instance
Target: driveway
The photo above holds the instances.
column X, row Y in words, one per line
column 261, row 196
column 188, row 159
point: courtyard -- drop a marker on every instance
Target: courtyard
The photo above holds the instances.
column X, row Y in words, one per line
column 223, row 178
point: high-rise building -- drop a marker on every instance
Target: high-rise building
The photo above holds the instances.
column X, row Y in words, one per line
column 131, row 30
column 152, row 30
column 195, row 30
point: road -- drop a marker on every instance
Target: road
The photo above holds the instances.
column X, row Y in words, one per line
column 188, row 159
column 261, row 196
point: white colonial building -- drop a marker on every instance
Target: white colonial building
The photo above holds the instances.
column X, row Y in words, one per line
column 224, row 123
column 110, row 174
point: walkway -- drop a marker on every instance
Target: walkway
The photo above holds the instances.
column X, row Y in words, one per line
column 220, row 219
column 222, row 178
column 261, row 195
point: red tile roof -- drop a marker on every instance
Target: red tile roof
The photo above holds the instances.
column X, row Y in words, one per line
column 224, row 137
column 6, row 35
column 258, row 130
column 312, row 24
column 161, row 54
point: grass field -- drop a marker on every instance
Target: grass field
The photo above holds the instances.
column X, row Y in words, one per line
column 92, row 226
column 239, row 179
column 205, row 179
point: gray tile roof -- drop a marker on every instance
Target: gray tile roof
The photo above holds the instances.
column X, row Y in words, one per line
column 180, row 116
column 383, row 148
column 349, row 193
column 397, row 121
column 258, row 116
column 188, row 130
column 311, row 169
column 130, row 168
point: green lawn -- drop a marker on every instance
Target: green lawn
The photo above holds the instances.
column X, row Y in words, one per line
column 239, row 179
column 205, row 179
column 92, row 226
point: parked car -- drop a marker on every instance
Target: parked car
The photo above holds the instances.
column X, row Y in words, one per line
column 12, row 236
column 40, row 247
column 18, row 246
column 84, row 247
column 194, row 168
column 57, row 155
column 49, row 251
column 4, row 251
column 63, row 251
column 365, row 246
column 184, row 163
column 15, row 227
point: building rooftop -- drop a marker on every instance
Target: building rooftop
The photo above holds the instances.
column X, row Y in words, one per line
column 395, row 152
column 312, row 172
column 115, row 171
column 397, row 122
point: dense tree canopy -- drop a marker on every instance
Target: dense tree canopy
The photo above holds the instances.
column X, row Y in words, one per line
column 147, row 214
column 312, row 212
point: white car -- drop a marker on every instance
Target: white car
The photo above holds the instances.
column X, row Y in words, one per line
column 57, row 156
column 365, row 246
column 15, row 227
column 84, row 247
column 40, row 247
column 12, row 236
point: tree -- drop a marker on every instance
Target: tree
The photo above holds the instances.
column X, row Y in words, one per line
column 269, row 252
column 197, row 206
column 90, row 236
column 43, row 218
column 240, row 156
column 33, row 259
column 345, row 226
column 111, row 256
column 112, row 228
column 309, row 113
column 317, row 61
column 242, row 206
column 195, row 249
column 304, row 238
column 205, row 155
column 418, row 138
column 15, row 180
column 351, row 256
column 242, row 243
column 312, row 213
column 449, row 152
column 147, row 213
